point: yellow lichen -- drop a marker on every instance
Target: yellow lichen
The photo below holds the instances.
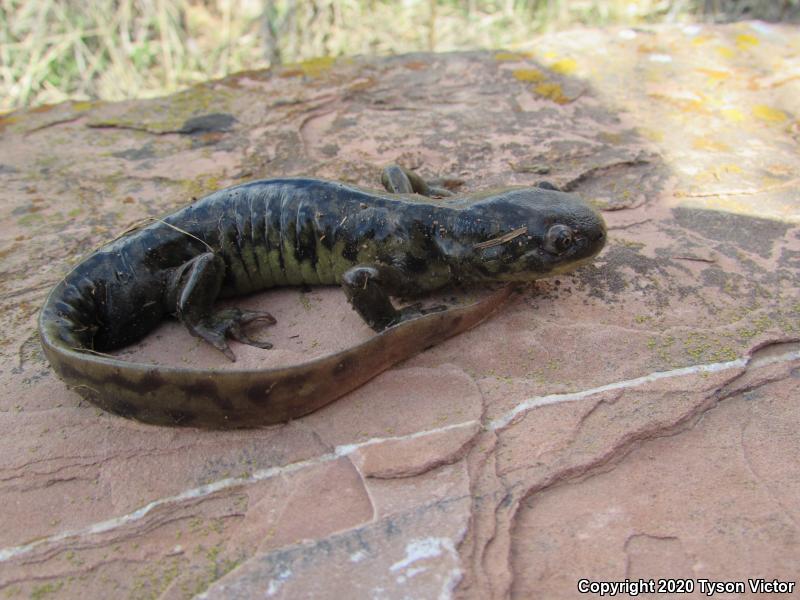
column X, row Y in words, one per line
column 315, row 67
column 726, row 52
column 732, row 114
column 552, row 91
column 767, row 113
column 531, row 75
column 745, row 40
column 508, row 56
column 565, row 66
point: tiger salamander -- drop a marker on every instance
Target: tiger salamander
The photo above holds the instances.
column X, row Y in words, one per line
column 297, row 231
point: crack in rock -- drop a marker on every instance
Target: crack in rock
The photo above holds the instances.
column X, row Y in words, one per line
column 496, row 549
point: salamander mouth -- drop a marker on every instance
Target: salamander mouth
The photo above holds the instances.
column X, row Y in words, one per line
column 567, row 267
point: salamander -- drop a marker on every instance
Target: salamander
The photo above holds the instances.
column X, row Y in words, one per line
column 405, row 242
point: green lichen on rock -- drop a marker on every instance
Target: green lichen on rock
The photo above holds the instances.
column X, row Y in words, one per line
column 175, row 113
column 192, row 189
column 45, row 590
column 704, row 347
column 151, row 581
column 313, row 67
column 510, row 56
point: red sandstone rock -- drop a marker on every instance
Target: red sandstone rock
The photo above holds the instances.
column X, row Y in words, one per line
column 609, row 424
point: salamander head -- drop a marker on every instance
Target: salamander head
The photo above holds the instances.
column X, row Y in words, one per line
column 529, row 233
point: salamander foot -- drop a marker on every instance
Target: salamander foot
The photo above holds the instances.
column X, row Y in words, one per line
column 230, row 322
column 398, row 180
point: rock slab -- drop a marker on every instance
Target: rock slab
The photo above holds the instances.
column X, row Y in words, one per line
column 636, row 419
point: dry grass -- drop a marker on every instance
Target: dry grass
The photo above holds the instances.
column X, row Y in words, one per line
column 52, row 50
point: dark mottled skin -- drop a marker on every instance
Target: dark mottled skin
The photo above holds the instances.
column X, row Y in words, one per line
column 297, row 232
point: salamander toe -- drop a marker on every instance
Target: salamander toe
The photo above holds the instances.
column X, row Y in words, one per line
column 213, row 335
column 231, row 322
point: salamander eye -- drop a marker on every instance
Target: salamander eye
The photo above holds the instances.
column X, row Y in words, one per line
column 558, row 239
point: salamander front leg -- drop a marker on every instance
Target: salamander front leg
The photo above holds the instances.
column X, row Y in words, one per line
column 194, row 288
column 398, row 180
column 366, row 289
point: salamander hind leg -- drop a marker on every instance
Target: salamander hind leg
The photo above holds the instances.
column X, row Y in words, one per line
column 195, row 288
column 367, row 288
column 398, row 180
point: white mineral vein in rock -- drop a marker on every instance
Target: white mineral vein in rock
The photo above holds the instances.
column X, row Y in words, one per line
column 346, row 449
column 530, row 403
